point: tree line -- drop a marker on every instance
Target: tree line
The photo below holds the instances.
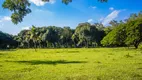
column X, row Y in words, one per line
column 118, row 34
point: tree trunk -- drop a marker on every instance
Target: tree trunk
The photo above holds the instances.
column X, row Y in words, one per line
column 74, row 44
column 28, row 45
column 54, row 45
column 18, row 44
column 35, row 47
column 136, row 45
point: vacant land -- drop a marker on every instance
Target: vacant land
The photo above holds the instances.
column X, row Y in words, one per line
column 71, row 64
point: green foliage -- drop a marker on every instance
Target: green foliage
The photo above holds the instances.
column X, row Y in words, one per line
column 114, row 23
column 129, row 33
column 116, row 37
column 87, row 34
column 66, row 1
column 20, row 8
column 52, row 35
column 140, row 46
column 6, row 41
column 134, row 32
column 65, row 37
column 108, row 29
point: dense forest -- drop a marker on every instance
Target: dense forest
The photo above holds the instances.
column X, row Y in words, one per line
column 118, row 34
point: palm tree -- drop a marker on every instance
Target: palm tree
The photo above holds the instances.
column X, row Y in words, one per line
column 34, row 36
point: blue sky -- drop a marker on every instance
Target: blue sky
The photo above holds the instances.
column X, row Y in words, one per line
column 58, row 14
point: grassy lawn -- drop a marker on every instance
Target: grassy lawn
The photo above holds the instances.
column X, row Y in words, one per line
column 71, row 64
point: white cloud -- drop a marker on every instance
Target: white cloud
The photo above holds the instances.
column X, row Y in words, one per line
column 90, row 20
column 5, row 18
column 52, row 1
column 101, row 19
column 126, row 17
column 94, row 7
column 43, row 12
column 42, row 3
column 25, row 28
column 110, row 17
column 1, row 25
column 111, row 8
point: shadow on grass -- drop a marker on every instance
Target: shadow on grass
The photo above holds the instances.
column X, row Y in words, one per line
column 37, row 62
column 1, row 54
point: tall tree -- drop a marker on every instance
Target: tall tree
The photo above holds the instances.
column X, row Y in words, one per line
column 34, row 36
column 86, row 34
column 52, row 35
column 134, row 32
column 66, row 36
column 116, row 37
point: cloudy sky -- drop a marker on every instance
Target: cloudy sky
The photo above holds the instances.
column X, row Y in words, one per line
column 58, row 14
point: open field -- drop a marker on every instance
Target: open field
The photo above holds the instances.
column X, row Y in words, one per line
column 71, row 64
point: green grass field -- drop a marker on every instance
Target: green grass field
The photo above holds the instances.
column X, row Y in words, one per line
column 71, row 64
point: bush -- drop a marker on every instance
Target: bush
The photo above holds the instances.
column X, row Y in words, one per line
column 140, row 46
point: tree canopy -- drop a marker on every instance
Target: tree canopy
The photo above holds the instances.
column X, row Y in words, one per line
column 7, row 41
column 128, row 33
